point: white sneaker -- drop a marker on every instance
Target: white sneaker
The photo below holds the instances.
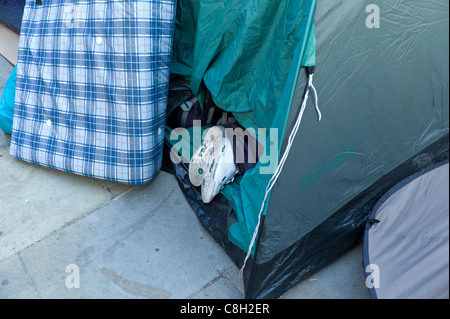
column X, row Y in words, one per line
column 199, row 161
column 219, row 171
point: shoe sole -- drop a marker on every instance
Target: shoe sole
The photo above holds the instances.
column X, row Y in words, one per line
column 204, row 154
column 208, row 184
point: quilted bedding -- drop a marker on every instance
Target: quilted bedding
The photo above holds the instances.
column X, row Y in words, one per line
column 92, row 83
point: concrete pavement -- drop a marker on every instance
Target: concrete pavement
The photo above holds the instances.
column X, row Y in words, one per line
column 69, row 236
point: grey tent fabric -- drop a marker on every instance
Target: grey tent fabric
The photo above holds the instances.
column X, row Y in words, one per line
column 383, row 94
column 406, row 244
column 382, row 101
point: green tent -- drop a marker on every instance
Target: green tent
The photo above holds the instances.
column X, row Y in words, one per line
column 381, row 72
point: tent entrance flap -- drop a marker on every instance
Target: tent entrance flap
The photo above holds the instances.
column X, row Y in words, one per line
column 248, row 55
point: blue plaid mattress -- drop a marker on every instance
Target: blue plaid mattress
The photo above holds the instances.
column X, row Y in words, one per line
column 92, row 85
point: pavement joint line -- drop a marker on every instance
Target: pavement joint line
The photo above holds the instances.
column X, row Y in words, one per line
column 6, row 59
column 222, row 275
column 206, row 286
column 111, row 196
column 32, row 284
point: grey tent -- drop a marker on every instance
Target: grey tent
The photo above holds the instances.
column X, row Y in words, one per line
column 406, row 242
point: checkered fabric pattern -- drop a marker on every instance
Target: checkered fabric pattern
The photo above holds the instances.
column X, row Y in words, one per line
column 92, row 85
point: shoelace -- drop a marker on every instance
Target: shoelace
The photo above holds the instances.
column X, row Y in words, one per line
column 282, row 161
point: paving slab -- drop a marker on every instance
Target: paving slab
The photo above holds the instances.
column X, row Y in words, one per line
column 343, row 279
column 5, row 71
column 36, row 201
column 14, row 282
column 146, row 243
column 9, row 44
column 233, row 275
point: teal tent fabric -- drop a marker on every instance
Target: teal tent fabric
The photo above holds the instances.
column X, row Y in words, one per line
column 248, row 54
column 7, row 103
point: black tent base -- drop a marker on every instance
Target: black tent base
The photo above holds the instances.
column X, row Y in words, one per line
column 328, row 241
